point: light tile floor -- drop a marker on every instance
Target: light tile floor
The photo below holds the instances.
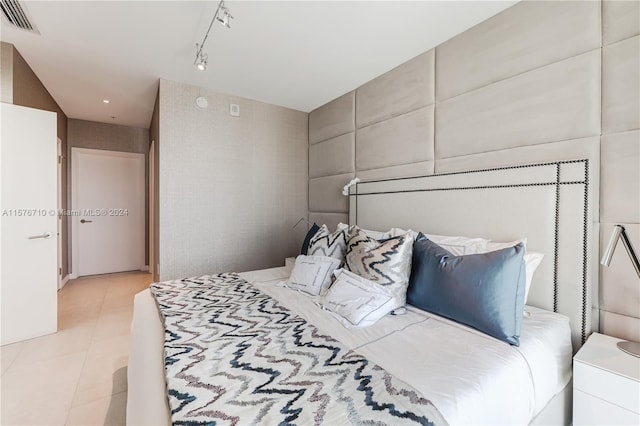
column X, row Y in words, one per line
column 77, row 376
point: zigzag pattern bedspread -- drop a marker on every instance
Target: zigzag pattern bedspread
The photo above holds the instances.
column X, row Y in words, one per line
column 234, row 355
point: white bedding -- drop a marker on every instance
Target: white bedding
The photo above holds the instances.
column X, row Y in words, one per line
column 470, row 377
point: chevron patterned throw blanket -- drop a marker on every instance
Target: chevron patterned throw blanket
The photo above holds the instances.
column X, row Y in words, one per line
column 235, row 356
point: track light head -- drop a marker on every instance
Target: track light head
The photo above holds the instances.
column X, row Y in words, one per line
column 226, row 16
column 201, row 58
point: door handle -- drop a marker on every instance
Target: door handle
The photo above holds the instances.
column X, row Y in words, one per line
column 46, row 236
column 85, row 221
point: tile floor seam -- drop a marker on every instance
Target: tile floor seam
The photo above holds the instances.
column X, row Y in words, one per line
column 84, row 362
column 22, row 346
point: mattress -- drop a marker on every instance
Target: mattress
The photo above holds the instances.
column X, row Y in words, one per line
column 470, row 377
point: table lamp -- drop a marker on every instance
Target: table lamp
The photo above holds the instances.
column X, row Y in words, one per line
column 632, row 348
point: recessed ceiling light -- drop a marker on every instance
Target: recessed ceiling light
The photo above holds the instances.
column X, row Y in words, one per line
column 105, row 101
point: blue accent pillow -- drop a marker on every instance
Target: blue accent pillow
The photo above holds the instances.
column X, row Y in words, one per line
column 307, row 239
column 484, row 291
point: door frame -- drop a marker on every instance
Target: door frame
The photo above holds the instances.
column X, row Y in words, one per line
column 61, row 280
column 152, row 199
column 75, row 217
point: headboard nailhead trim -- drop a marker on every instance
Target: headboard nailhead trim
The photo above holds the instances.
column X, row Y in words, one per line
column 557, row 183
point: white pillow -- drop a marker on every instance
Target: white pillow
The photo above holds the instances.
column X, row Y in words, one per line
column 532, row 260
column 356, row 301
column 456, row 245
column 376, row 235
column 312, row 274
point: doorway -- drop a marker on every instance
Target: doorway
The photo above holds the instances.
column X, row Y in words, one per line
column 107, row 216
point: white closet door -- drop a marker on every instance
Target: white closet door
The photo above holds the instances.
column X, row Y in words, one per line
column 108, row 195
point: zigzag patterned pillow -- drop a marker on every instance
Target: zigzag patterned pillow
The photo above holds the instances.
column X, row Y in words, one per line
column 386, row 263
column 333, row 245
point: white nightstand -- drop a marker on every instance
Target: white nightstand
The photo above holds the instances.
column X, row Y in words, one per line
column 606, row 384
column 288, row 263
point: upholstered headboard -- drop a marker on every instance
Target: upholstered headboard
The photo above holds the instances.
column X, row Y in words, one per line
column 547, row 203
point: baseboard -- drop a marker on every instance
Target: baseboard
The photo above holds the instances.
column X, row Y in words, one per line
column 145, row 268
column 72, row 276
column 63, row 282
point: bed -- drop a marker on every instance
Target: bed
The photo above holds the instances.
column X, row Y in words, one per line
column 415, row 367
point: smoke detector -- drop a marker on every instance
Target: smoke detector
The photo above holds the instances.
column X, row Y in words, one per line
column 15, row 14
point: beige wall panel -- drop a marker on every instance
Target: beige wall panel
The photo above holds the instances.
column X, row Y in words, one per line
column 558, row 102
column 620, row 326
column 555, row 151
column 576, row 149
column 329, row 219
column 325, row 194
column 621, row 86
column 528, row 35
column 332, row 157
column 619, row 287
column 620, row 20
column 404, row 139
column 422, row 168
column 620, row 177
column 6, row 72
column 333, row 119
column 405, row 88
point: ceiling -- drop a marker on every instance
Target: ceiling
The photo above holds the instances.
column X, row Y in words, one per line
column 297, row 54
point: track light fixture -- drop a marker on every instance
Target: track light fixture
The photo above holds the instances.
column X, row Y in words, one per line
column 223, row 16
column 201, row 59
column 226, row 16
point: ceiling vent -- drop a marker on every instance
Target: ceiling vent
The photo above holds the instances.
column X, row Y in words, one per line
column 16, row 15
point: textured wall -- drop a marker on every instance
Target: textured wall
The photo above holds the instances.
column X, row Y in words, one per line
column 110, row 137
column 27, row 90
column 231, row 188
column 541, row 81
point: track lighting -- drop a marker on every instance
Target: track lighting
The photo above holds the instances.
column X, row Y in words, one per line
column 223, row 16
column 226, row 16
column 201, row 58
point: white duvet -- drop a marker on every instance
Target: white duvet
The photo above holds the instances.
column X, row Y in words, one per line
column 470, row 377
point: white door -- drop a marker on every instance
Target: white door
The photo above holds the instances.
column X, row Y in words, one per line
column 108, row 207
column 29, row 304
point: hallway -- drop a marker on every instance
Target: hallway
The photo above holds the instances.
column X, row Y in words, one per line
column 78, row 375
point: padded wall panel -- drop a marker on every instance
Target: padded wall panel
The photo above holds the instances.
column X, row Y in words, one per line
column 621, row 326
column 528, row 35
column 620, row 178
column 621, row 294
column 558, row 102
column 542, row 153
column 620, row 20
column 325, row 194
column 405, row 170
column 332, row 157
column 404, row 139
column 332, row 119
column 621, row 86
column 329, row 219
column 405, row 88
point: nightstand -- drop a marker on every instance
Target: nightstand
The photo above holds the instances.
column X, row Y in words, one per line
column 606, row 384
column 288, row 264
